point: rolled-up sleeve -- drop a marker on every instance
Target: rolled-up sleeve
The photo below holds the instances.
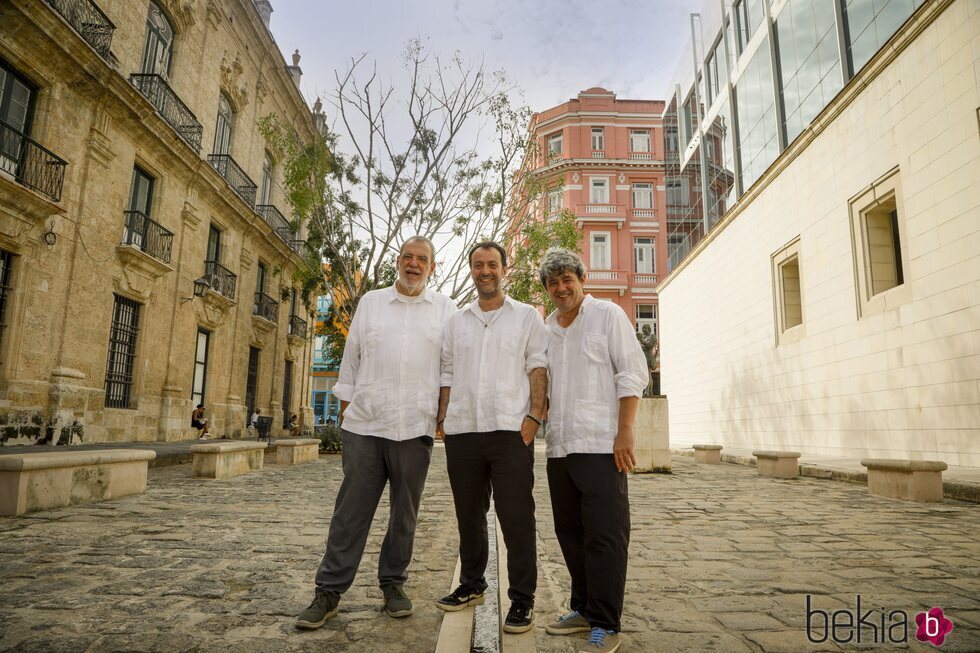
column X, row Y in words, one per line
column 351, row 361
column 536, row 354
column 629, row 364
column 446, row 367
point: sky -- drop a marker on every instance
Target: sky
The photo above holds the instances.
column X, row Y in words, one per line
column 551, row 49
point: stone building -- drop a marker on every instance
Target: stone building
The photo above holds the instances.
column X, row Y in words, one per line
column 607, row 153
column 824, row 292
column 142, row 269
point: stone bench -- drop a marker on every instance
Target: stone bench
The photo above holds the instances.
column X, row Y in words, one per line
column 909, row 480
column 40, row 481
column 295, row 451
column 778, row 464
column 709, row 454
column 227, row 459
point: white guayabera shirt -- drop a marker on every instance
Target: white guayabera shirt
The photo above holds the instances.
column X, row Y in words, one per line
column 592, row 364
column 486, row 359
column 390, row 369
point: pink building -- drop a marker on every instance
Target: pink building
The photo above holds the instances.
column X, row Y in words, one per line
column 608, row 154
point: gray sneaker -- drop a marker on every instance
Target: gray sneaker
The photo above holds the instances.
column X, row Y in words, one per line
column 570, row 624
column 601, row 641
column 397, row 603
column 324, row 607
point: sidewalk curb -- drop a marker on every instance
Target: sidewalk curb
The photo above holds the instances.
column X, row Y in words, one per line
column 952, row 489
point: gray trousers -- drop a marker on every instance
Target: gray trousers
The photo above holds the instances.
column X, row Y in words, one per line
column 369, row 464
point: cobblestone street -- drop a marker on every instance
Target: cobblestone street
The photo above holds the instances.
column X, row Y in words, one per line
column 721, row 560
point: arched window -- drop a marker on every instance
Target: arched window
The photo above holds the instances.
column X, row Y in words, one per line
column 224, row 126
column 159, row 43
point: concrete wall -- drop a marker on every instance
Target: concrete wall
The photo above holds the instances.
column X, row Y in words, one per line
column 900, row 382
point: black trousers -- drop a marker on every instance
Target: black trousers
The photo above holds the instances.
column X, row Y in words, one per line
column 500, row 462
column 590, row 501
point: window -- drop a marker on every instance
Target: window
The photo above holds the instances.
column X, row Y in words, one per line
column 224, row 126
column 640, row 140
column 554, row 146
column 214, row 244
column 260, row 278
column 869, row 23
column 6, row 263
column 287, row 394
column 554, row 202
column 158, row 49
column 599, row 258
column 809, row 65
column 122, row 352
column 642, row 196
column 787, row 291
column 320, row 350
column 670, row 140
column 756, row 112
column 677, row 193
column 646, row 314
column 598, row 138
column 199, row 384
column 878, row 234
column 643, row 255
column 251, row 381
column 17, row 112
column 140, row 200
column 599, row 190
column 748, row 17
column 711, row 74
column 265, row 192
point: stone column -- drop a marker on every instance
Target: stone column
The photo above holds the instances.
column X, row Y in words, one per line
column 652, row 445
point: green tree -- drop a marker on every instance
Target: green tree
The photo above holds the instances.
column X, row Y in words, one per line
column 535, row 238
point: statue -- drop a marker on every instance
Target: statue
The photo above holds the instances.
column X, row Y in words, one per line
column 651, row 350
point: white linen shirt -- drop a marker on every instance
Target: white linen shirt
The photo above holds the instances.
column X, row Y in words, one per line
column 592, row 364
column 390, row 369
column 486, row 366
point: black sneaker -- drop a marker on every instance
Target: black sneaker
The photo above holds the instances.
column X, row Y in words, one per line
column 397, row 603
column 520, row 618
column 462, row 597
column 324, row 607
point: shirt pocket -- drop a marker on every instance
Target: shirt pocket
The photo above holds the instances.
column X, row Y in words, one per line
column 597, row 348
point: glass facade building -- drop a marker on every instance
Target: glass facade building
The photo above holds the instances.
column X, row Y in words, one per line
column 755, row 75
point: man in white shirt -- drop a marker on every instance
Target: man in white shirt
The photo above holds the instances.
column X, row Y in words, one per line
column 598, row 373
column 253, row 422
column 388, row 388
column 490, row 407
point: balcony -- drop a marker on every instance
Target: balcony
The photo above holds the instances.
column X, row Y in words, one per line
column 266, row 307
column 30, row 164
column 148, row 236
column 223, row 281
column 280, row 225
column 554, row 157
column 243, row 186
column 602, row 209
column 599, row 155
column 155, row 89
column 606, row 280
column 641, row 156
column 297, row 326
column 644, row 214
column 89, row 21
column 644, row 280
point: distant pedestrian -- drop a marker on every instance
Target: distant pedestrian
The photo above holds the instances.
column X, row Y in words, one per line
column 253, row 423
column 388, row 388
column 598, row 373
column 294, row 426
column 200, row 422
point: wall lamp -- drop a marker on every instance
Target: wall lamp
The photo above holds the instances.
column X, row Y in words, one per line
column 201, row 287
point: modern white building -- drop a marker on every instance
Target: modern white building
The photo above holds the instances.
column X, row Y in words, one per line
column 835, row 255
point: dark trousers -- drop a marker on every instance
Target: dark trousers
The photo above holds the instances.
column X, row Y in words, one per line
column 590, row 502
column 501, row 462
column 369, row 464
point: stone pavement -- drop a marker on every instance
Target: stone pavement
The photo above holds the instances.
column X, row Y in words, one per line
column 721, row 560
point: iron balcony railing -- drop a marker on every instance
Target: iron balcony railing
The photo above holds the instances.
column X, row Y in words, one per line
column 281, row 226
column 223, row 281
column 149, row 236
column 235, row 176
column 30, row 164
column 155, row 89
column 297, row 326
column 89, row 21
column 266, row 307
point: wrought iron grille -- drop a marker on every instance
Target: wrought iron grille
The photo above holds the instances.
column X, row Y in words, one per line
column 148, row 235
column 266, row 307
column 235, row 176
column 222, row 280
column 155, row 89
column 89, row 21
column 6, row 262
column 297, row 326
column 30, row 164
column 281, row 226
column 122, row 352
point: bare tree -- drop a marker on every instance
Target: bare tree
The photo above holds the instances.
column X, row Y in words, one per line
column 415, row 166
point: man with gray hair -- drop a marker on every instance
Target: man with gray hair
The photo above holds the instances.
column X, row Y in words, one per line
column 388, row 388
column 598, row 374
